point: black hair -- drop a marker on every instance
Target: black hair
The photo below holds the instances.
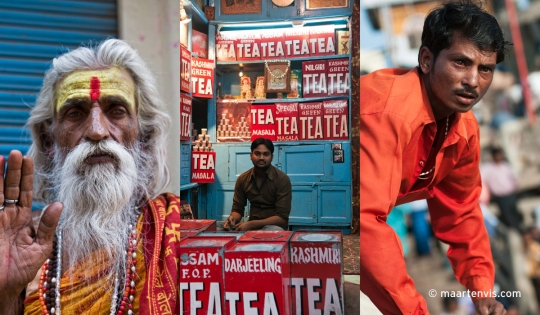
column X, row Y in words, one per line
column 267, row 143
column 470, row 20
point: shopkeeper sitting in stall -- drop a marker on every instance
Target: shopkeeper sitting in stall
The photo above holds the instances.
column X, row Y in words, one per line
column 267, row 189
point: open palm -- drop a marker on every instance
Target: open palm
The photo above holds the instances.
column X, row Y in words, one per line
column 23, row 250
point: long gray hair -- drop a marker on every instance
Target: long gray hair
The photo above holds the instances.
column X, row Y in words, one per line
column 153, row 120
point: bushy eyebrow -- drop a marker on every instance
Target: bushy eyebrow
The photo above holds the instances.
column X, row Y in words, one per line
column 117, row 99
column 70, row 103
column 74, row 101
column 114, row 99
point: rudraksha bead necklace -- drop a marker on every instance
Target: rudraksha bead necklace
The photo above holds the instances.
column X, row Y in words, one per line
column 51, row 273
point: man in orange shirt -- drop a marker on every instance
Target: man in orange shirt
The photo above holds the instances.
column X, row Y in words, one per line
column 419, row 140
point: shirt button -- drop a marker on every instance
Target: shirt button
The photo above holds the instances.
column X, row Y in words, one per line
column 421, row 163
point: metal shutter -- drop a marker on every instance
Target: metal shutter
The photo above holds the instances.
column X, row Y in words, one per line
column 32, row 33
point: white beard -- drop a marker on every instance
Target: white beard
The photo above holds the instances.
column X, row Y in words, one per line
column 98, row 202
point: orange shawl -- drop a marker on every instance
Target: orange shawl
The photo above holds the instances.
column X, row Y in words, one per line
column 157, row 286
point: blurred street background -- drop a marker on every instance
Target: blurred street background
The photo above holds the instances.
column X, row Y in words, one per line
column 510, row 159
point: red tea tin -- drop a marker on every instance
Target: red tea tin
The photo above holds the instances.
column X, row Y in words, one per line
column 266, row 236
column 316, row 272
column 236, row 235
column 257, row 278
column 201, row 274
column 197, row 225
column 187, row 233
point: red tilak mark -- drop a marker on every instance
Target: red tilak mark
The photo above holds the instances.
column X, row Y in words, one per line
column 94, row 88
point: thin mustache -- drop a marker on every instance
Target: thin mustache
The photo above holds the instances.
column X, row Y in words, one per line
column 467, row 91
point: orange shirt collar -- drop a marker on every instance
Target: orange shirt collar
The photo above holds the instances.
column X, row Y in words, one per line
column 457, row 126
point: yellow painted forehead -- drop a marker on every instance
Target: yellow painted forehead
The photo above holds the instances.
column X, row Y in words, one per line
column 95, row 85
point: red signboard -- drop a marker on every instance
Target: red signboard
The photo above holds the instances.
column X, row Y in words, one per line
column 296, row 42
column 313, row 291
column 202, row 77
column 338, row 77
column 336, row 120
column 248, row 46
column 314, row 78
column 322, row 41
column 203, row 167
column 311, row 121
column 275, row 43
column 263, row 123
column 199, row 44
column 287, row 122
column 185, row 117
column 202, row 288
column 257, row 278
column 185, row 69
column 272, row 44
column 225, row 46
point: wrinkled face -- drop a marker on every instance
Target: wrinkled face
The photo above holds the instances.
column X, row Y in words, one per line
column 95, row 105
column 96, row 171
column 261, row 157
column 459, row 77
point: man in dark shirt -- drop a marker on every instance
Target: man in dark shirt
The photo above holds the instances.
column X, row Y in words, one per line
column 267, row 189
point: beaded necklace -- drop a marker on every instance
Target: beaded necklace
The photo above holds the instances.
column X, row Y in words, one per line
column 51, row 273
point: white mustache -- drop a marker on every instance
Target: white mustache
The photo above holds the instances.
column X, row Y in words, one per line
column 83, row 151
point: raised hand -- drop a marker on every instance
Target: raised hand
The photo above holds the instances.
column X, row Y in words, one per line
column 23, row 250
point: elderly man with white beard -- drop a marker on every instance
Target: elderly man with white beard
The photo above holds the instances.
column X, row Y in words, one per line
column 108, row 241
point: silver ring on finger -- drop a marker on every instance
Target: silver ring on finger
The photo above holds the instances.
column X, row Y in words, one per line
column 11, row 201
column 2, row 208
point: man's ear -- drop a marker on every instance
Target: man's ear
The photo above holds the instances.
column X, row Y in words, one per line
column 425, row 59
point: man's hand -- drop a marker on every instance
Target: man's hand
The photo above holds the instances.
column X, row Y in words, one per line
column 245, row 226
column 489, row 306
column 23, row 250
column 231, row 221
